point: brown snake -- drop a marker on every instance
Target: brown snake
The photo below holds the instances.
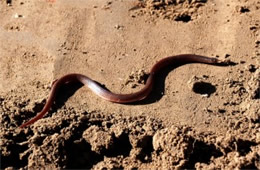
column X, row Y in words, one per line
column 122, row 98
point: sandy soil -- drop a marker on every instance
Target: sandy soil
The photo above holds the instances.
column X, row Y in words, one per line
column 198, row 116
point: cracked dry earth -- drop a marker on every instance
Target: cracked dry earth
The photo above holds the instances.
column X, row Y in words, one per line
column 198, row 116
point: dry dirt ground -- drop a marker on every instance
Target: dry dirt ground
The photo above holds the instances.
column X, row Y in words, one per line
column 198, row 116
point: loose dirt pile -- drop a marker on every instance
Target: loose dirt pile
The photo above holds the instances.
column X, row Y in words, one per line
column 180, row 10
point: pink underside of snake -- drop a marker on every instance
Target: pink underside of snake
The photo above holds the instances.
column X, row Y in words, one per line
column 121, row 98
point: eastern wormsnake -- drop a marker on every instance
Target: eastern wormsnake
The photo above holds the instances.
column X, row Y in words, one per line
column 122, row 98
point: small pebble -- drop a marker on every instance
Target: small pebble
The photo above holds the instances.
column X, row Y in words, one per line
column 204, row 95
column 18, row 16
column 227, row 55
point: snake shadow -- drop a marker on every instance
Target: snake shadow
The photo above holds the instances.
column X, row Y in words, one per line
column 64, row 93
column 159, row 85
column 68, row 89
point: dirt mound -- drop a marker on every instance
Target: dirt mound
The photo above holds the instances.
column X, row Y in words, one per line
column 117, row 141
column 178, row 10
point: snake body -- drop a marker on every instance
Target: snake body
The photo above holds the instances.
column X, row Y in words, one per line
column 121, row 98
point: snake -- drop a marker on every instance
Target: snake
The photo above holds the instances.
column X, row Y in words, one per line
column 106, row 94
